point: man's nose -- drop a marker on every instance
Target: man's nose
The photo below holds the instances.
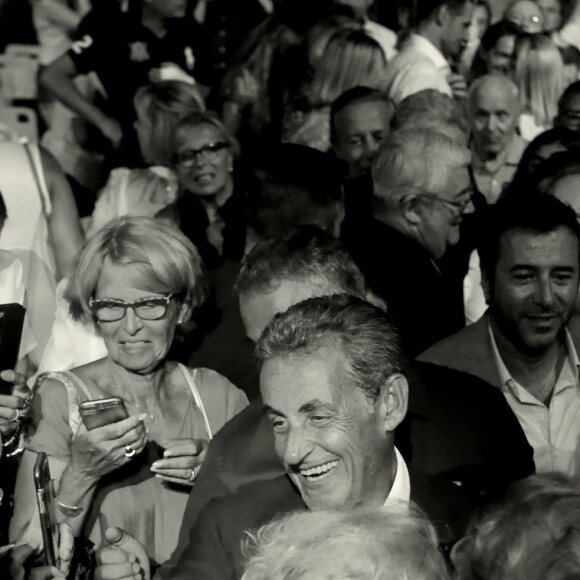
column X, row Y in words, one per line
column 469, row 208
column 371, row 147
column 297, row 446
column 544, row 294
column 132, row 322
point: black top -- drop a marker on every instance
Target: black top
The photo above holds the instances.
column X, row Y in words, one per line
column 122, row 52
column 425, row 303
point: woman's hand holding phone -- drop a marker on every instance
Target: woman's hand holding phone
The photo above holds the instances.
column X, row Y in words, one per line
column 100, row 451
column 14, row 408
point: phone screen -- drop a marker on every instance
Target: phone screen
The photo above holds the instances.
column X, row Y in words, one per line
column 46, row 509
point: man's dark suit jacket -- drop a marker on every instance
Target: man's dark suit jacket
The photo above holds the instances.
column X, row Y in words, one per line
column 216, row 542
column 456, row 426
column 470, row 351
column 426, row 305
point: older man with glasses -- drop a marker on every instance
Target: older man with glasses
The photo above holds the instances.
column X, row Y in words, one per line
column 422, row 190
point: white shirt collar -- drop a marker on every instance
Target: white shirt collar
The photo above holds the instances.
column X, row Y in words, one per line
column 427, row 48
column 504, row 374
column 401, row 489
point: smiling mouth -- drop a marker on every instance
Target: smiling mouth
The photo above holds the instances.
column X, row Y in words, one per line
column 319, row 472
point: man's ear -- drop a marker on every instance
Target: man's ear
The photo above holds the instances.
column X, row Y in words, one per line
column 394, row 400
column 486, row 285
column 412, row 211
column 442, row 15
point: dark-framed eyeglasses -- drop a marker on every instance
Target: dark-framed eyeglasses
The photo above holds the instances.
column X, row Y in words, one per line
column 112, row 310
column 209, row 153
column 456, row 206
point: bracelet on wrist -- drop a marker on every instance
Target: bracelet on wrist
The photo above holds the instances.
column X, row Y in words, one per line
column 68, row 510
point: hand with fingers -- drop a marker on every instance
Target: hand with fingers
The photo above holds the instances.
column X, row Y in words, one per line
column 181, row 461
column 124, row 558
column 14, row 408
column 22, row 559
column 100, row 451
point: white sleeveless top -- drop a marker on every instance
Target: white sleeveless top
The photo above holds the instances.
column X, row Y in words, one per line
column 27, row 200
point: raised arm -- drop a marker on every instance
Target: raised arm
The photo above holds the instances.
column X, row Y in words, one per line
column 64, row 226
column 58, row 79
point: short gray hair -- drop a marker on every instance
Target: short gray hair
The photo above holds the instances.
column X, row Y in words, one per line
column 308, row 255
column 365, row 334
column 533, row 534
column 169, row 262
column 394, row 543
column 415, row 160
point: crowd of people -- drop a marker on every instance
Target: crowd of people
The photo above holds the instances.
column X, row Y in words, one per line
column 324, row 257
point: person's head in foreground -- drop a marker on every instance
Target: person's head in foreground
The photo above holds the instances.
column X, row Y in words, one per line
column 282, row 271
column 137, row 280
column 422, row 187
column 493, row 113
column 359, row 121
column 367, row 543
column 533, row 534
column 530, row 256
column 333, row 390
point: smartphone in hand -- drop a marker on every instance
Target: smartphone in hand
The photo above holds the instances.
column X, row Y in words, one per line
column 11, row 324
column 46, row 509
column 100, row 412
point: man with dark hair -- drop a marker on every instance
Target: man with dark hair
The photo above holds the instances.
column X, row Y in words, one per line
column 334, row 393
column 359, row 121
column 569, row 108
column 426, row 58
column 444, row 431
column 530, row 271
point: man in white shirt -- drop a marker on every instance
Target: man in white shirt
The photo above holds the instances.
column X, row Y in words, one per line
column 522, row 346
column 426, row 58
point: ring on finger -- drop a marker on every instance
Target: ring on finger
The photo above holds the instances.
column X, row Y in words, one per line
column 129, row 451
column 18, row 417
column 192, row 475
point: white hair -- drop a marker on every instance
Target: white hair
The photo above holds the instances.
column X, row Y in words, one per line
column 415, row 160
column 395, row 543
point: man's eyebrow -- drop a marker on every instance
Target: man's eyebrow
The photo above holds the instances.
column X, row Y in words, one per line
column 266, row 409
column 316, row 405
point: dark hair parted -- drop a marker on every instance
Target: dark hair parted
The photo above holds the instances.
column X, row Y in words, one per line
column 308, row 255
column 422, row 10
column 356, row 95
column 370, row 343
column 533, row 212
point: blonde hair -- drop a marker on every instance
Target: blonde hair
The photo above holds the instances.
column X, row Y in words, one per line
column 160, row 106
column 415, row 160
column 168, row 262
column 539, row 76
column 395, row 543
column 195, row 120
column 351, row 58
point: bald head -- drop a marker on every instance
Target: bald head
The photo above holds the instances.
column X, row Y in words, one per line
column 493, row 114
